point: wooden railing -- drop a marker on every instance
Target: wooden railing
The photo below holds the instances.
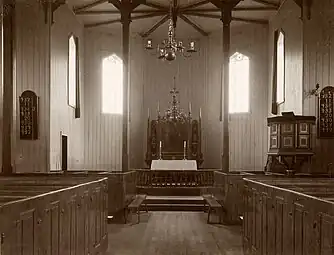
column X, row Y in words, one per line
column 280, row 220
column 52, row 214
column 174, row 178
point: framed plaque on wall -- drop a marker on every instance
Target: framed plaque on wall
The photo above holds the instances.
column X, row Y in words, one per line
column 325, row 115
column 28, row 115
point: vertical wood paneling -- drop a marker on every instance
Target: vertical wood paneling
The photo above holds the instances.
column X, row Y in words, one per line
column 288, row 19
column 103, row 132
column 32, row 63
column 62, row 115
column 318, row 68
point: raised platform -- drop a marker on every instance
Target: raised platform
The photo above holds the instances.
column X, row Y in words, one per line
column 175, row 203
column 174, row 165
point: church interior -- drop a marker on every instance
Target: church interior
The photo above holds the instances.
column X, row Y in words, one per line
column 178, row 127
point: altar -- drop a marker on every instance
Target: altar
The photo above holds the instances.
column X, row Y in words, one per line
column 174, row 138
column 174, row 165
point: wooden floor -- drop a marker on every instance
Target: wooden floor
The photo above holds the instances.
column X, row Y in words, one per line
column 174, row 233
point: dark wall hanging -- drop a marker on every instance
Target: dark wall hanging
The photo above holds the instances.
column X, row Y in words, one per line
column 28, row 115
column 325, row 115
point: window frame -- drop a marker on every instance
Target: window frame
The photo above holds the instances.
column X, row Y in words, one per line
column 77, row 76
column 249, row 85
column 116, row 58
column 279, row 32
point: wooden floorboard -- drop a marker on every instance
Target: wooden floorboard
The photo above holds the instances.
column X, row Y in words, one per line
column 174, row 233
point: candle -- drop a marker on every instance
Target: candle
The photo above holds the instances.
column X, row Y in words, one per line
column 159, row 108
column 160, row 144
column 200, row 112
column 184, row 144
column 148, row 112
column 189, row 107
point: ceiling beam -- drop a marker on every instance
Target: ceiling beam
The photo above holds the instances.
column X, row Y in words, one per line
column 204, row 15
column 267, row 3
column 193, row 4
column 218, row 17
column 254, row 21
column 156, row 5
column 156, row 26
column 250, row 8
column 185, row 19
column 88, row 6
column 108, row 22
column 118, row 12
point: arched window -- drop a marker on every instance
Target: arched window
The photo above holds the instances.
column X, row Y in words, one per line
column 239, row 83
column 280, row 68
column 73, row 70
column 112, row 85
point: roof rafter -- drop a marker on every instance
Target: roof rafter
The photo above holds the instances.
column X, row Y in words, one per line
column 250, row 8
column 118, row 12
column 188, row 21
column 267, row 3
column 218, row 17
column 88, row 6
column 193, row 4
column 156, row 5
column 108, row 22
column 156, row 26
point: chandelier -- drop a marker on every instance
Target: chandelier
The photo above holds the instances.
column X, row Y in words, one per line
column 171, row 47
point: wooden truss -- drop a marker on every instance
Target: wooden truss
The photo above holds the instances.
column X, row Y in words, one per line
column 182, row 11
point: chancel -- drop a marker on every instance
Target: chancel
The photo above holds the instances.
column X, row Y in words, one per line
column 167, row 127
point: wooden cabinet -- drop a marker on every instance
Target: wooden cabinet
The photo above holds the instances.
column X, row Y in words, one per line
column 290, row 142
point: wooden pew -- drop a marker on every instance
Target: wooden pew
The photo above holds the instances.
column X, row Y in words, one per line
column 55, row 215
column 228, row 189
column 281, row 220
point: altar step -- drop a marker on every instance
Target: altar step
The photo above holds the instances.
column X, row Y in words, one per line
column 175, row 203
column 170, row 191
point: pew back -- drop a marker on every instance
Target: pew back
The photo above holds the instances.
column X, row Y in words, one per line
column 53, row 215
column 280, row 220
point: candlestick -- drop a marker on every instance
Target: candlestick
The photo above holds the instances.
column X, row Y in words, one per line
column 160, row 153
column 184, row 149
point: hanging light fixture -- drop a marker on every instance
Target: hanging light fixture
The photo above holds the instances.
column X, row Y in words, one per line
column 170, row 47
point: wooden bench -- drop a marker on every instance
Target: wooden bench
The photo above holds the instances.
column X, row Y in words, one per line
column 135, row 206
column 214, row 206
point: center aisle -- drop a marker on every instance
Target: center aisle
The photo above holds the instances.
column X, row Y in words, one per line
column 174, row 233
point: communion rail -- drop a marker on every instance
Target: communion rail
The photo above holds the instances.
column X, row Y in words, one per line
column 288, row 216
column 174, row 178
column 53, row 214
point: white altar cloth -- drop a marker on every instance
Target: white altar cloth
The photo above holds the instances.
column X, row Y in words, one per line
column 174, row 165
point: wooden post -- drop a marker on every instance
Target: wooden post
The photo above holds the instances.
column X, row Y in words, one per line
column 226, row 19
column 8, row 27
column 125, row 19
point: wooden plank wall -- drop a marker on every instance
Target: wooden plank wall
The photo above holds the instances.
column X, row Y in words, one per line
column 319, row 68
column 198, row 79
column 288, row 20
column 309, row 60
column 62, row 115
column 32, row 73
column 103, row 132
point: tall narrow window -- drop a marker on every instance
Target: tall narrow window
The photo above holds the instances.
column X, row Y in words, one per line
column 239, row 83
column 280, row 69
column 72, row 72
column 112, row 85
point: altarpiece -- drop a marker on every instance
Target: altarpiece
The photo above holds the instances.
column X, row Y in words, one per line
column 174, row 134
